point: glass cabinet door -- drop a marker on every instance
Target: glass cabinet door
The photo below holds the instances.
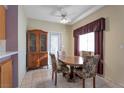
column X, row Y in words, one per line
column 32, row 42
column 43, row 40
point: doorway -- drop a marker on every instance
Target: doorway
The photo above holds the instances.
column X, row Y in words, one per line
column 54, row 43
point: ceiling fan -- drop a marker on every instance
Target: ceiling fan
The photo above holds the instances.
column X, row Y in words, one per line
column 62, row 14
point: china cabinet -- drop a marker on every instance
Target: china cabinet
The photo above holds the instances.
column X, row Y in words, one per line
column 37, row 55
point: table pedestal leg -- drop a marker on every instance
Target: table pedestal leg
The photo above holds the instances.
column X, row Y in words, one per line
column 71, row 76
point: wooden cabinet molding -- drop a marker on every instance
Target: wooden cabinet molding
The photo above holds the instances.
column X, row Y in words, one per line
column 2, row 22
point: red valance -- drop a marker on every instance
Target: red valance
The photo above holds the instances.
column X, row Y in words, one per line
column 97, row 25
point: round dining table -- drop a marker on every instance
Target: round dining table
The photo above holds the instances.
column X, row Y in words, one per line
column 72, row 61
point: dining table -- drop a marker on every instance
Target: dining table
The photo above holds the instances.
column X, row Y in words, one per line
column 72, row 61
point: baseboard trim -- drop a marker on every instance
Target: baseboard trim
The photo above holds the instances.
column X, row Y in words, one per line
column 115, row 84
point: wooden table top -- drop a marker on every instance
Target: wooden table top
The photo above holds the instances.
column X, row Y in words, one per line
column 72, row 60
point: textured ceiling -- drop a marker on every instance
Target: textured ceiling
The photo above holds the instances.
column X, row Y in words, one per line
column 52, row 12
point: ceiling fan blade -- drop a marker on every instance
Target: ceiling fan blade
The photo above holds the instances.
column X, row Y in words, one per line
column 60, row 10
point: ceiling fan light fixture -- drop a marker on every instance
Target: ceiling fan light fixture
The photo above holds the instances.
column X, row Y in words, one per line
column 64, row 20
column 63, row 15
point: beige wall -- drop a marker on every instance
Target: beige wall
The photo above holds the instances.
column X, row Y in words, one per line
column 52, row 27
column 113, row 38
column 22, row 26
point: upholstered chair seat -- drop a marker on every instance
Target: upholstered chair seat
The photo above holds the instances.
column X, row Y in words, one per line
column 62, row 68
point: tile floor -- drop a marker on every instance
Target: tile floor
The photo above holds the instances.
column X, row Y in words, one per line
column 41, row 78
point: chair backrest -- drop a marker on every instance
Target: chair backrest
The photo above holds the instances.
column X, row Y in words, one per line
column 90, row 66
column 61, row 53
column 54, row 61
column 86, row 53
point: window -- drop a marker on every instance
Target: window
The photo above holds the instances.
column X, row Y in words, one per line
column 54, row 41
column 86, row 42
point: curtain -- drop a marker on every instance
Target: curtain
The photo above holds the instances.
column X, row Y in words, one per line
column 97, row 26
column 76, row 46
column 99, row 50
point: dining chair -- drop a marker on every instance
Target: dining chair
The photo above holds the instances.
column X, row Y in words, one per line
column 89, row 69
column 61, row 53
column 86, row 53
column 56, row 68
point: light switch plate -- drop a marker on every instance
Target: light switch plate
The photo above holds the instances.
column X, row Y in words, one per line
column 121, row 46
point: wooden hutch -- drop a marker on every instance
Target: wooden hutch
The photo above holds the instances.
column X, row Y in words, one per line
column 37, row 55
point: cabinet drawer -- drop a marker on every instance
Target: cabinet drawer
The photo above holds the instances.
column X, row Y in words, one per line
column 6, row 74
